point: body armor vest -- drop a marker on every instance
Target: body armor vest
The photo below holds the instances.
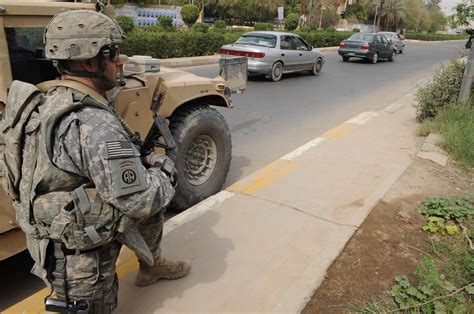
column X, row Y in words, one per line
column 50, row 203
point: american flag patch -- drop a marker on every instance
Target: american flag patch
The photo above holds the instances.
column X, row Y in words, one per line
column 119, row 149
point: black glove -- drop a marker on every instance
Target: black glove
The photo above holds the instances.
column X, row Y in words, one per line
column 166, row 165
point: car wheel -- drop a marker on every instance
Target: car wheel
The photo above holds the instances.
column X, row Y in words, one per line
column 202, row 155
column 392, row 56
column 277, row 71
column 375, row 58
column 345, row 59
column 317, row 67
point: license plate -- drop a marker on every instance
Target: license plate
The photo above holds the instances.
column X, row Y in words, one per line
column 351, row 54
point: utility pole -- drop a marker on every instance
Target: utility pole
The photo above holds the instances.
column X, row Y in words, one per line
column 465, row 91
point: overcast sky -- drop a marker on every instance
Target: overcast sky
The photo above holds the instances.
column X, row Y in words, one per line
column 448, row 5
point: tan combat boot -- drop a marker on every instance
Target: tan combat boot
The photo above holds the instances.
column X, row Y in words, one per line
column 162, row 269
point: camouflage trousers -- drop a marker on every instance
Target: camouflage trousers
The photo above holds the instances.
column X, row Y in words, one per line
column 90, row 276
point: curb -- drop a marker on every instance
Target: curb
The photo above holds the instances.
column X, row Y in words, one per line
column 434, row 41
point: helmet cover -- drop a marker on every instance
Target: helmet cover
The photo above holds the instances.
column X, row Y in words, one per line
column 80, row 35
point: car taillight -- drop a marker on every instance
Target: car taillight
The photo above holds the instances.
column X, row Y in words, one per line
column 242, row 53
column 364, row 47
column 342, row 45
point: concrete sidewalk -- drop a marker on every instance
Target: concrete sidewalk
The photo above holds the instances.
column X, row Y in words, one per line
column 265, row 243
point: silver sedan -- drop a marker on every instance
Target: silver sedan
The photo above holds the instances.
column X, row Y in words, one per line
column 274, row 53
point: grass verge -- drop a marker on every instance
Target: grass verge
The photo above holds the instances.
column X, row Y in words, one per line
column 456, row 125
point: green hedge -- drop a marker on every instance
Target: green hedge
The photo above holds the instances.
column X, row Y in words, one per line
column 159, row 44
column 260, row 26
column 324, row 38
column 173, row 45
column 434, row 37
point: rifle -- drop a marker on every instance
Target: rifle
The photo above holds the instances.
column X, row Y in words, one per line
column 159, row 134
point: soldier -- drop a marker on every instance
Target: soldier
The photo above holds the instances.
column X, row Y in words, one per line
column 82, row 174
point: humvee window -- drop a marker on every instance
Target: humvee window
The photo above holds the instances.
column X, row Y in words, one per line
column 25, row 47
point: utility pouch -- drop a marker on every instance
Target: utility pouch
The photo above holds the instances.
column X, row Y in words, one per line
column 86, row 222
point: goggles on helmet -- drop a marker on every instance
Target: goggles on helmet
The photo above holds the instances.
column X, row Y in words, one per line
column 113, row 53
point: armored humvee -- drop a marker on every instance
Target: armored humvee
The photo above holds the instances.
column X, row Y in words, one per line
column 203, row 145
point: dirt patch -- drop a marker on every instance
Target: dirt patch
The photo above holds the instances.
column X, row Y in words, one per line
column 390, row 241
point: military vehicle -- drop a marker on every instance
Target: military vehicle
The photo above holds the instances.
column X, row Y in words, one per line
column 183, row 101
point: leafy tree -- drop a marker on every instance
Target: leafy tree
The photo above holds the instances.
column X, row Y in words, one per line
column 463, row 15
column 357, row 10
column 392, row 12
column 125, row 22
column 292, row 21
column 166, row 22
column 336, row 4
column 438, row 20
column 189, row 13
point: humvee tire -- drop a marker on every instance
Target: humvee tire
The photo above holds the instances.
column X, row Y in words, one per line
column 202, row 155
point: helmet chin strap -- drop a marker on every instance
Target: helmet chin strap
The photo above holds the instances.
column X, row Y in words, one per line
column 106, row 84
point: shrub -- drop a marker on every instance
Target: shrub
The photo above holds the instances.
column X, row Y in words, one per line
column 324, row 38
column 172, row 45
column 292, row 21
column 456, row 125
column 259, row 26
column 219, row 24
column 125, row 22
column 166, row 22
column 441, row 91
column 200, row 27
column 189, row 13
column 356, row 30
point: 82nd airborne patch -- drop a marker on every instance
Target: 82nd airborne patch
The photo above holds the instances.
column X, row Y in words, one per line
column 127, row 170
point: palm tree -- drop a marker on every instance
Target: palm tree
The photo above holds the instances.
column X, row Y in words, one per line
column 393, row 13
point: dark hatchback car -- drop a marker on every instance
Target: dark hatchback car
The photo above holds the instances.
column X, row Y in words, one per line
column 369, row 46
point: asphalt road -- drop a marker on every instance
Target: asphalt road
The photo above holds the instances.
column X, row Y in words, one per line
column 271, row 119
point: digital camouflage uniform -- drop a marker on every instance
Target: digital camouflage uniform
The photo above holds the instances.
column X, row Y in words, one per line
column 78, row 183
column 81, row 148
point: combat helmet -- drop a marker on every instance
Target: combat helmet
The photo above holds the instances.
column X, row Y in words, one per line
column 80, row 35
column 77, row 35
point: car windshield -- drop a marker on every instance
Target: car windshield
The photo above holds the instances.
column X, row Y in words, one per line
column 362, row 37
column 258, row 40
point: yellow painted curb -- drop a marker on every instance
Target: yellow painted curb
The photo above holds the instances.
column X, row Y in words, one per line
column 263, row 177
column 339, row 132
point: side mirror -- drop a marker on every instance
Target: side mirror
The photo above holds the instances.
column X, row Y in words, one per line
column 310, row 47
